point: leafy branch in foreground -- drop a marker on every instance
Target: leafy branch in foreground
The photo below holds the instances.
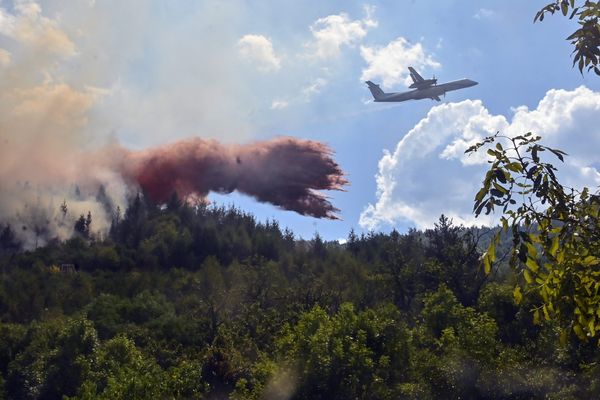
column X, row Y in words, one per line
column 555, row 232
column 586, row 38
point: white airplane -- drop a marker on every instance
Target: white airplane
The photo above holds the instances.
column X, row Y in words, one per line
column 423, row 89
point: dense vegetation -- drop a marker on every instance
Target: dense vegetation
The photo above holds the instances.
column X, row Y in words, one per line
column 554, row 232
column 196, row 302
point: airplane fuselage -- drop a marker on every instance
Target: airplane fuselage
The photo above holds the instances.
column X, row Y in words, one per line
column 430, row 92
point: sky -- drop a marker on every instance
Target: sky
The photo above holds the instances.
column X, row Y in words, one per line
column 85, row 74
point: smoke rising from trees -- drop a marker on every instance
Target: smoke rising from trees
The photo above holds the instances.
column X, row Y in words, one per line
column 58, row 123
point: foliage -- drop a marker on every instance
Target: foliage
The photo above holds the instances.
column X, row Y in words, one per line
column 182, row 301
column 121, row 371
column 347, row 354
column 586, row 39
column 53, row 359
column 554, row 231
column 206, row 302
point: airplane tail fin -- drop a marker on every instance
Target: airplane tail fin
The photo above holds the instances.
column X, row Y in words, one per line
column 375, row 90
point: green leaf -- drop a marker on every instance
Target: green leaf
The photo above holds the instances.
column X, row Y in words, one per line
column 527, row 276
column 557, row 154
column 539, row 280
column 479, row 196
column 531, row 250
column 491, row 252
column 479, row 208
column 579, row 332
column 518, row 295
column 546, row 313
column 544, row 293
column 560, row 257
column 487, row 266
column 564, row 336
column 532, row 265
column 574, row 11
column 589, row 260
column 500, row 188
column 496, row 193
column 514, row 166
column 502, row 176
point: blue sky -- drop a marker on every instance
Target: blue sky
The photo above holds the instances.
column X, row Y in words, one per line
column 239, row 71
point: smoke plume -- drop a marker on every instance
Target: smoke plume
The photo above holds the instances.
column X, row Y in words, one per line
column 63, row 105
column 285, row 172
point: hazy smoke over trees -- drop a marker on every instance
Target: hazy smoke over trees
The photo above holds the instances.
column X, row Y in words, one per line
column 59, row 157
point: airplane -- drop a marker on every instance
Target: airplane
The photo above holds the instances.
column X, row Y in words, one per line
column 423, row 89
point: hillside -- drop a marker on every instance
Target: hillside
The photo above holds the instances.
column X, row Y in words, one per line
column 182, row 302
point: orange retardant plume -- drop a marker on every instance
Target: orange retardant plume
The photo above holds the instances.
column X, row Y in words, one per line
column 286, row 172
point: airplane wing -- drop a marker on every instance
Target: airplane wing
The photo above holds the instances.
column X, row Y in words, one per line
column 415, row 75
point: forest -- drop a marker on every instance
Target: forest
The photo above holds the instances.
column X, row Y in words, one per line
column 183, row 301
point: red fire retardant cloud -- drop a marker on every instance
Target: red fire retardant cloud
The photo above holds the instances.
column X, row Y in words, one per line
column 285, row 172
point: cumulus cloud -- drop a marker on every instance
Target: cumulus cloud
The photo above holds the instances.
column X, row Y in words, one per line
column 27, row 25
column 332, row 32
column 429, row 174
column 390, row 63
column 259, row 50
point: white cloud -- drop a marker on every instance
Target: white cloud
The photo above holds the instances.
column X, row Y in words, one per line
column 429, row 174
column 334, row 31
column 314, row 88
column 28, row 26
column 304, row 96
column 390, row 63
column 259, row 49
column 4, row 58
column 279, row 104
column 484, row 13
